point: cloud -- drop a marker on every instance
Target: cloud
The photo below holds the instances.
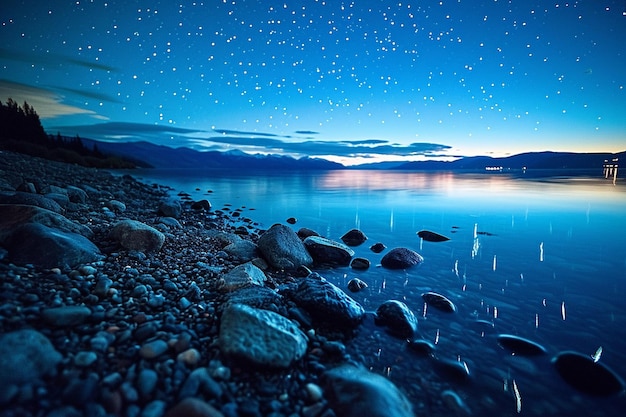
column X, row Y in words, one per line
column 47, row 104
column 52, row 60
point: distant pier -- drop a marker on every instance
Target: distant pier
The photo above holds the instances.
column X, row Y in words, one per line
column 609, row 168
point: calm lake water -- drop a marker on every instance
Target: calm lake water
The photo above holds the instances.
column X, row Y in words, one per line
column 541, row 258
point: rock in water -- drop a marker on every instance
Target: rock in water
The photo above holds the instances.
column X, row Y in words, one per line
column 378, row 247
column 360, row 264
column 520, row 345
column 25, row 355
column 260, row 336
column 356, row 392
column 134, row 235
column 432, row 236
column 328, row 252
column 282, row 248
column 401, row 258
column 439, row 301
column 454, row 369
column 422, row 347
column 586, row 375
column 354, row 237
column 397, row 317
column 326, row 303
column 356, row 285
column 48, row 248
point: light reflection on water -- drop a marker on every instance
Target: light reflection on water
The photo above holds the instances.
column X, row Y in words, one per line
column 541, row 258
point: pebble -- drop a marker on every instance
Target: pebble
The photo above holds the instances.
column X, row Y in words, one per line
column 153, row 349
column 66, row 316
column 193, row 407
column 146, row 382
column 190, row 357
column 84, row 359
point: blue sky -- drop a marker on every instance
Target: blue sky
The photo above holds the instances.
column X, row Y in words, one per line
column 350, row 81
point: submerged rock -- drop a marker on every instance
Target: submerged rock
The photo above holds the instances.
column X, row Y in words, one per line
column 360, row 263
column 587, row 375
column 356, row 285
column 282, row 248
column 421, row 346
column 401, row 258
column 356, row 392
column 454, row 369
column 378, row 247
column 397, row 317
column 439, row 301
column 432, row 236
column 520, row 346
column 326, row 303
column 354, row 237
column 328, row 252
column 260, row 336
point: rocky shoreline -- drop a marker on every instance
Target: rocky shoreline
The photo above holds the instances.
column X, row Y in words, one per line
column 120, row 299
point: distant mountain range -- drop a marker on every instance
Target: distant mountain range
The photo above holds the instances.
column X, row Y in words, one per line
column 159, row 156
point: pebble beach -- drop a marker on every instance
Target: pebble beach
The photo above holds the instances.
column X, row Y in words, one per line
column 119, row 298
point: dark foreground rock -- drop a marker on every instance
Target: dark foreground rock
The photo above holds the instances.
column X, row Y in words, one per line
column 328, row 252
column 282, row 248
column 398, row 318
column 355, row 392
column 401, row 258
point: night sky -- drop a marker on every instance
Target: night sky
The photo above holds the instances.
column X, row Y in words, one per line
column 364, row 80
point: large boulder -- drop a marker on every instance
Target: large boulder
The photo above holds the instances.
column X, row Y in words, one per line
column 134, row 235
column 401, row 258
column 282, row 248
column 328, row 252
column 30, row 199
column 242, row 276
column 43, row 246
column 355, row 392
column 25, row 356
column 170, row 208
column 15, row 215
column 259, row 336
column 326, row 303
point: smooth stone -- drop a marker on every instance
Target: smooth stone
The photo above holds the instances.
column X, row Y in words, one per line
column 422, row 346
column 170, row 222
column 378, row 247
column 154, row 408
column 355, row 392
column 242, row 250
column 66, row 316
column 198, row 382
column 360, row 263
column 432, row 236
column 401, row 258
column 84, row 359
column 241, row 276
column 304, row 232
column 201, row 205
column 46, row 247
column 453, row 369
column 25, row 356
column 190, row 357
column 440, row 302
column 328, row 252
column 153, row 349
column 260, row 336
column 76, row 195
column 30, row 199
column 146, row 382
column 292, row 220
column 327, row 303
column 356, row 285
column 520, row 346
column 592, row 378
column 137, row 236
column 354, row 237
column 397, row 317
column 282, row 249
column 193, row 407
column 115, row 206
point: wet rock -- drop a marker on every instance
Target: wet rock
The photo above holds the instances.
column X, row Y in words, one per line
column 356, row 392
column 282, row 248
column 201, row 205
column 29, row 199
column 198, row 382
column 455, row 370
column 146, row 382
column 397, row 317
column 241, row 276
column 326, row 303
column 193, row 407
column 304, row 232
column 439, row 301
column 260, row 336
column 242, row 250
column 258, row 297
column 25, row 356
column 66, row 316
column 422, row 347
column 12, row 216
column 134, row 235
column 328, row 252
column 378, row 247
column 46, row 247
column 354, row 237
column 115, row 206
column 76, row 195
column 292, row 220
column 432, row 236
column 586, row 375
column 455, row 403
column 356, row 285
column 520, row 346
column 170, row 208
column 361, row 264
column 401, row 258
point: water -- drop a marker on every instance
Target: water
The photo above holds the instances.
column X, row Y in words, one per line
column 542, row 258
